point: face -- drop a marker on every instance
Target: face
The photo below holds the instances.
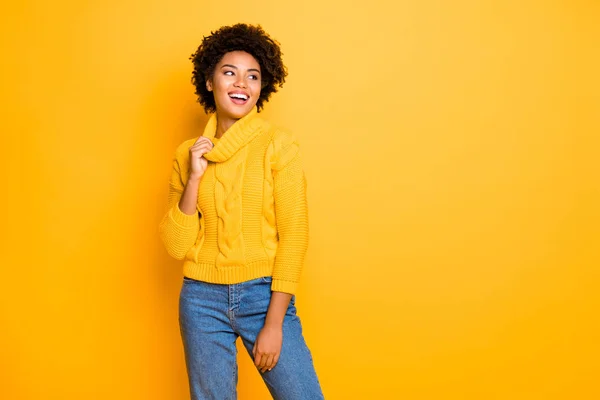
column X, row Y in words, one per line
column 236, row 84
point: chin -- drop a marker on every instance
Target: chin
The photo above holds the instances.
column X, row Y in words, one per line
column 240, row 113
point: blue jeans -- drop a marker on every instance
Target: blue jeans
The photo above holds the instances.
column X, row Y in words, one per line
column 212, row 316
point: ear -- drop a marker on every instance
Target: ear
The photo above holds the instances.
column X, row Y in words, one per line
column 209, row 86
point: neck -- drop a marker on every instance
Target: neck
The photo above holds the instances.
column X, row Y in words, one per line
column 223, row 123
column 235, row 134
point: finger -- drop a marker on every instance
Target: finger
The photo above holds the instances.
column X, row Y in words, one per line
column 200, row 158
column 258, row 359
column 201, row 146
column 263, row 361
column 254, row 351
column 204, row 142
column 269, row 363
column 209, row 143
column 201, row 150
column 198, row 145
column 201, row 139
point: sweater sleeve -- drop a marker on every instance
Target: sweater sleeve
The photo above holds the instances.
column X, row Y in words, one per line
column 178, row 231
column 291, row 214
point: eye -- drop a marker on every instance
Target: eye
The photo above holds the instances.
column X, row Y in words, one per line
column 230, row 73
column 254, row 77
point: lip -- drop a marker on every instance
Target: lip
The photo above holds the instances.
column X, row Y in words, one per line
column 239, row 92
column 238, row 101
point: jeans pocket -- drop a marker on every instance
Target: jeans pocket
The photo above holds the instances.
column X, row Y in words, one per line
column 267, row 279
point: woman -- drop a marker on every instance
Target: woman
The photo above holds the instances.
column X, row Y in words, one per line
column 237, row 216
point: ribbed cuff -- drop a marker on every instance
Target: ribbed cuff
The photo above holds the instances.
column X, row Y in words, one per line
column 183, row 219
column 284, row 286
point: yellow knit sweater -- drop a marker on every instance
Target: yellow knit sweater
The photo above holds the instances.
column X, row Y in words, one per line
column 252, row 218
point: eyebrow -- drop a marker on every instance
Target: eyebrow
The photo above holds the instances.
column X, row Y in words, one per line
column 233, row 66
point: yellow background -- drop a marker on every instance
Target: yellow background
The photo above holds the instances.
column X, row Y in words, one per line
column 450, row 154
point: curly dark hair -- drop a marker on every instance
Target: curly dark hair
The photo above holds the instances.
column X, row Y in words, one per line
column 251, row 39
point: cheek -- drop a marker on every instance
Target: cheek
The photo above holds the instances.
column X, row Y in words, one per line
column 256, row 88
column 220, row 85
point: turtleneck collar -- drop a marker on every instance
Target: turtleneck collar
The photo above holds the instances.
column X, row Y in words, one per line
column 239, row 134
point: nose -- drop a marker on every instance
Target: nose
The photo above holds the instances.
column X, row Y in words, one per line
column 240, row 82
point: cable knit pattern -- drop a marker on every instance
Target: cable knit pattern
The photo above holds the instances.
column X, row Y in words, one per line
column 252, row 218
column 228, row 201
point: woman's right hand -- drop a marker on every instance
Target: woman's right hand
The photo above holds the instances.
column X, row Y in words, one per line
column 198, row 163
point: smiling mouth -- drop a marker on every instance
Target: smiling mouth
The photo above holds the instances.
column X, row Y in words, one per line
column 239, row 98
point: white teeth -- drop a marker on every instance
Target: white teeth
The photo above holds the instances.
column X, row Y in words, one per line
column 239, row 96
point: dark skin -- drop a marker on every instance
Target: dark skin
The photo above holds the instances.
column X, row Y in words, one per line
column 244, row 76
